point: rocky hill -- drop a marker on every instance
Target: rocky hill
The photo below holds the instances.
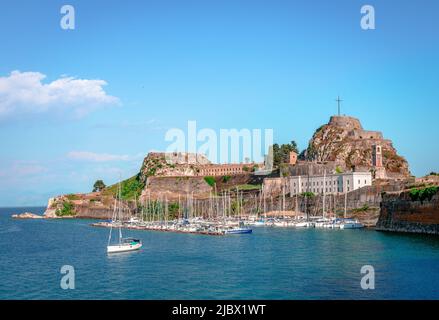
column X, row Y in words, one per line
column 157, row 164
column 344, row 141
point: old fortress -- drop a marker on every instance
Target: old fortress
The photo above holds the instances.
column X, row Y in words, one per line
column 181, row 164
column 341, row 157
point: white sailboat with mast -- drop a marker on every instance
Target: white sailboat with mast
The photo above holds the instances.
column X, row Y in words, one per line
column 124, row 244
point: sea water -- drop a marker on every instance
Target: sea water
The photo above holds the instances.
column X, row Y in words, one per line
column 271, row 263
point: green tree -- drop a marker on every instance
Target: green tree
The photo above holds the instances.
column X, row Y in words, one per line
column 66, row 210
column 281, row 154
column 99, row 186
column 210, row 180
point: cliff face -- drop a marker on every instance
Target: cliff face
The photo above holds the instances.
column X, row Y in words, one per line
column 173, row 188
column 400, row 212
column 171, row 164
column 91, row 205
column 344, row 141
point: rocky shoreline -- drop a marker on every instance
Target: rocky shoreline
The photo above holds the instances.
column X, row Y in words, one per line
column 404, row 212
column 27, row 215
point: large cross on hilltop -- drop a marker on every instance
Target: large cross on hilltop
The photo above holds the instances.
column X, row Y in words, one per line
column 338, row 104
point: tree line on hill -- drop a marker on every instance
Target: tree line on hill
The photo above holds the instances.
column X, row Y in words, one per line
column 281, row 153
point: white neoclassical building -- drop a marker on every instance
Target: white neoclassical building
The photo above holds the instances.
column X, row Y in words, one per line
column 330, row 183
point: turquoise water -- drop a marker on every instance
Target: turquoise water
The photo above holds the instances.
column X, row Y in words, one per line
column 268, row 264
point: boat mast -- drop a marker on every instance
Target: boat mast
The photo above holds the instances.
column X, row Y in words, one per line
column 265, row 205
column 306, row 196
column 324, row 194
column 119, row 212
column 345, row 201
column 283, row 197
column 179, row 207
column 113, row 217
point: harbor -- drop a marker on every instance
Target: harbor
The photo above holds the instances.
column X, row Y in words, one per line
column 223, row 214
column 271, row 263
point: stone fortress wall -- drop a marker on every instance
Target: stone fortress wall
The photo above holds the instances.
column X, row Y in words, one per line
column 399, row 213
column 179, row 164
column 355, row 128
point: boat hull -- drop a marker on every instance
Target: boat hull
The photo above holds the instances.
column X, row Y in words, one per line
column 304, row 225
column 123, row 248
column 352, row 226
column 241, row 231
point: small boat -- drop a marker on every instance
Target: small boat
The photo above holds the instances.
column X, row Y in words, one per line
column 331, row 225
column 241, row 229
column 133, row 220
column 351, row 224
column 257, row 223
column 320, row 223
column 124, row 244
column 305, row 224
column 238, row 231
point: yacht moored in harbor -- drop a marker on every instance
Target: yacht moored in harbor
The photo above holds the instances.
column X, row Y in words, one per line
column 351, row 224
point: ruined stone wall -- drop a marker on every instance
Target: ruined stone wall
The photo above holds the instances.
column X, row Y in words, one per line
column 345, row 122
column 189, row 165
column 365, row 134
column 276, row 186
column 400, row 214
column 173, row 187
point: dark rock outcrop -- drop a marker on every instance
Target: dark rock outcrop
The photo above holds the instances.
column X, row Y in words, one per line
column 400, row 213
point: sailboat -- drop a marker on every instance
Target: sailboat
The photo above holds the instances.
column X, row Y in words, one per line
column 349, row 223
column 124, row 244
column 324, row 222
column 307, row 223
column 241, row 228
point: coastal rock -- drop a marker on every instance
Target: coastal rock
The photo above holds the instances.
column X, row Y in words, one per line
column 27, row 215
column 93, row 205
column 408, row 212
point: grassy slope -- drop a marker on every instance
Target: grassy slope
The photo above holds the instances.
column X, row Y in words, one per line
column 131, row 188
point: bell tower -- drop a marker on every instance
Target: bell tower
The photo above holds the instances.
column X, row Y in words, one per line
column 377, row 156
column 293, row 158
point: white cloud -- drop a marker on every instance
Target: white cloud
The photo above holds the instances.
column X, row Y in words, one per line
column 97, row 157
column 21, row 169
column 24, row 93
column 144, row 125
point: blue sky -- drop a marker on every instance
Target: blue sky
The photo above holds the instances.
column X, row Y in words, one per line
column 133, row 69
